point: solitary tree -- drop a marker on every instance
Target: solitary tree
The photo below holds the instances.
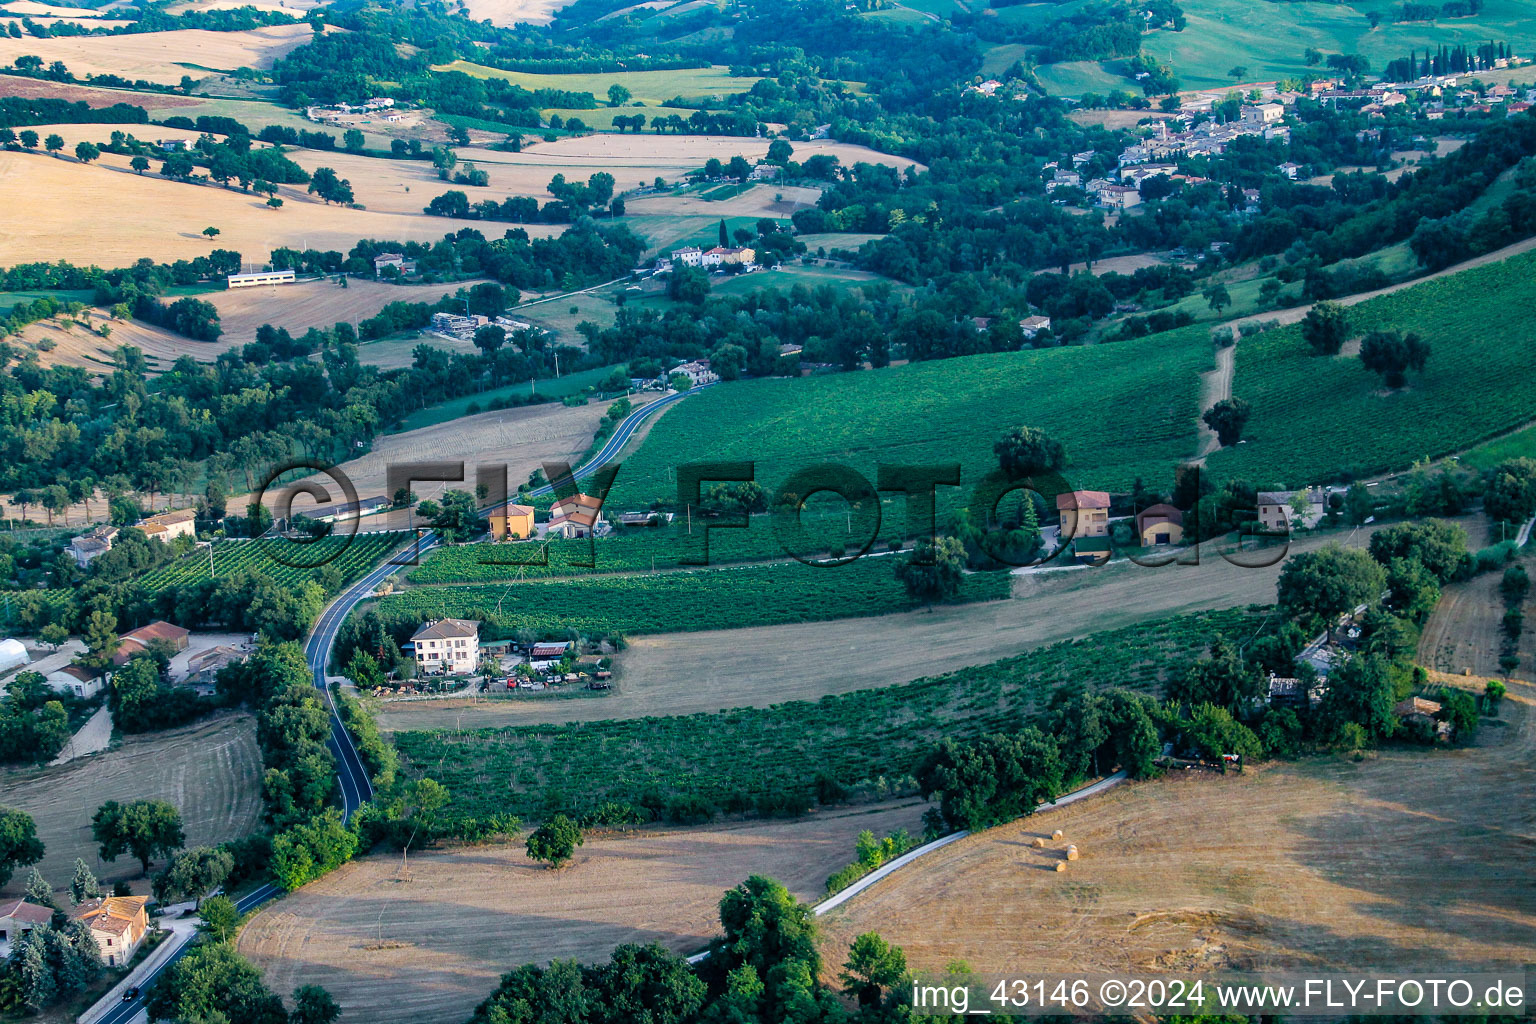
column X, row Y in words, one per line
column 555, row 841
column 353, row 140
column 85, row 152
column 139, row 164
column 53, row 143
column 617, row 95
column 490, row 337
column 1025, row 451
column 1227, row 418
column 1217, row 297
column 19, row 845
column 211, row 232
column 274, row 202
column 147, row 829
column 1392, row 354
column 219, row 917
column 932, row 572
column 313, row 1005
column 1325, row 327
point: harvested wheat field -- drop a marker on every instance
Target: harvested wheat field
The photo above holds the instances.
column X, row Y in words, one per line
column 432, row 947
column 507, row 13
column 14, row 85
column 162, row 56
column 521, row 439
column 604, row 151
column 65, row 200
column 758, row 201
column 1465, row 632
column 210, row 770
column 1410, row 859
column 296, row 307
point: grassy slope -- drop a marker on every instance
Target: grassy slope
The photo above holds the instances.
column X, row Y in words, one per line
column 1123, row 411
column 648, row 86
column 1314, row 415
column 737, row 757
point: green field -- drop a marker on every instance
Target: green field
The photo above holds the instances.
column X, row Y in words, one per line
column 1122, row 410
column 452, row 409
column 1521, row 444
column 1314, row 416
column 683, row 602
column 9, row 299
column 1270, row 38
column 742, row 760
column 651, row 87
column 273, row 558
column 1073, row 78
column 829, row 240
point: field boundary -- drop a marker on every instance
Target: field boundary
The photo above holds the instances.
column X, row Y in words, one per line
column 886, row 870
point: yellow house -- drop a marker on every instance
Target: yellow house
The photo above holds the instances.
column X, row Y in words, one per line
column 511, row 521
column 117, row 923
column 1083, row 513
column 1158, row 525
column 167, row 526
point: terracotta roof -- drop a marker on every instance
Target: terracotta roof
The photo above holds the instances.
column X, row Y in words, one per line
column 127, row 649
column 513, row 509
column 157, row 630
column 185, row 515
column 114, row 914
column 80, row 672
column 1416, row 706
column 1158, row 513
column 1082, row 499
column 21, row 910
column 439, row 629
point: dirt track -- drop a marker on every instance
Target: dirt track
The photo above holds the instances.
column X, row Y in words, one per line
column 432, row 947
column 1411, row 859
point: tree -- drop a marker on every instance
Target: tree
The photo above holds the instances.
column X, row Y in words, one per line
column 28, row 138
column 211, row 232
column 353, row 140
column 275, row 203
column 53, row 635
column 213, row 983
column 54, row 143
column 1360, row 693
column 1325, row 328
column 984, row 782
column 1326, row 583
column 83, row 886
column 1222, row 678
column 874, row 969
column 139, row 164
column 1358, row 504
column 1511, row 492
column 37, row 889
column 490, row 337
column 147, row 829
column 1439, row 546
column 555, row 841
column 689, row 285
column 1227, row 418
column 420, row 807
column 1238, row 72
column 194, row 873
column 617, row 95
column 1026, row 451
column 85, row 152
column 779, row 152
column 1392, row 354
column 313, row 1005
column 932, row 572
column 19, row 845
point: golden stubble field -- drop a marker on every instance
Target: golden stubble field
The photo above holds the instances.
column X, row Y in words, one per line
column 431, row 944
column 162, row 56
column 1410, row 859
column 210, row 770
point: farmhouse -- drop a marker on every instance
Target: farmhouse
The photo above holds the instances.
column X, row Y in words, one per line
column 720, row 256
column 167, row 526
column 447, row 646
column 254, row 278
column 172, row 635
column 511, row 521
column 1276, row 509
column 576, row 516
column 1083, row 513
column 78, row 680
column 89, row 545
column 697, row 372
column 1033, row 325
column 17, row 918
column 1159, row 524
column 688, row 255
column 117, row 923
column 203, row 666
column 393, row 259
column 1263, row 113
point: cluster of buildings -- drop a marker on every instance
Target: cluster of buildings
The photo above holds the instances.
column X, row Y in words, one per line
column 340, row 111
column 462, row 328
column 117, row 923
column 166, row 527
column 449, row 647
column 708, row 259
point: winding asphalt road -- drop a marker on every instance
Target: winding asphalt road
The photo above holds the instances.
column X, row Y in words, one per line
column 356, row 789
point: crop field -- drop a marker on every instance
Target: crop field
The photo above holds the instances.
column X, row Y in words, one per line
column 352, row 557
column 1122, row 410
column 650, row 87
column 15, row 85
column 1476, row 385
column 1407, row 857
column 1269, row 39
column 1520, row 444
column 64, row 199
column 1073, row 78
column 210, row 770
column 685, row 601
column 731, row 759
column 162, row 56
column 428, row 965
column 454, row 408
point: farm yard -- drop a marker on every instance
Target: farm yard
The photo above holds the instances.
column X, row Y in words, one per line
column 429, row 944
column 683, row 601
column 1122, row 410
column 162, row 57
column 64, row 199
column 210, row 770
column 1475, row 385
column 755, row 758
column 1406, row 858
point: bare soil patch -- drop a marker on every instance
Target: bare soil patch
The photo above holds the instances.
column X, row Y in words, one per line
column 507, row 13
column 1409, row 859
column 13, row 85
column 1464, row 634
column 210, row 770
column 432, row 947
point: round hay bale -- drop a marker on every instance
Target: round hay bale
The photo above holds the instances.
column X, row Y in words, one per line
column 1061, row 865
column 1037, row 843
column 1071, row 853
column 1056, row 834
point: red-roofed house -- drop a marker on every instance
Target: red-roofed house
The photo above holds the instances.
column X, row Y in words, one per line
column 1083, row 513
column 172, row 634
column 117, row 923
column 17, row 917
